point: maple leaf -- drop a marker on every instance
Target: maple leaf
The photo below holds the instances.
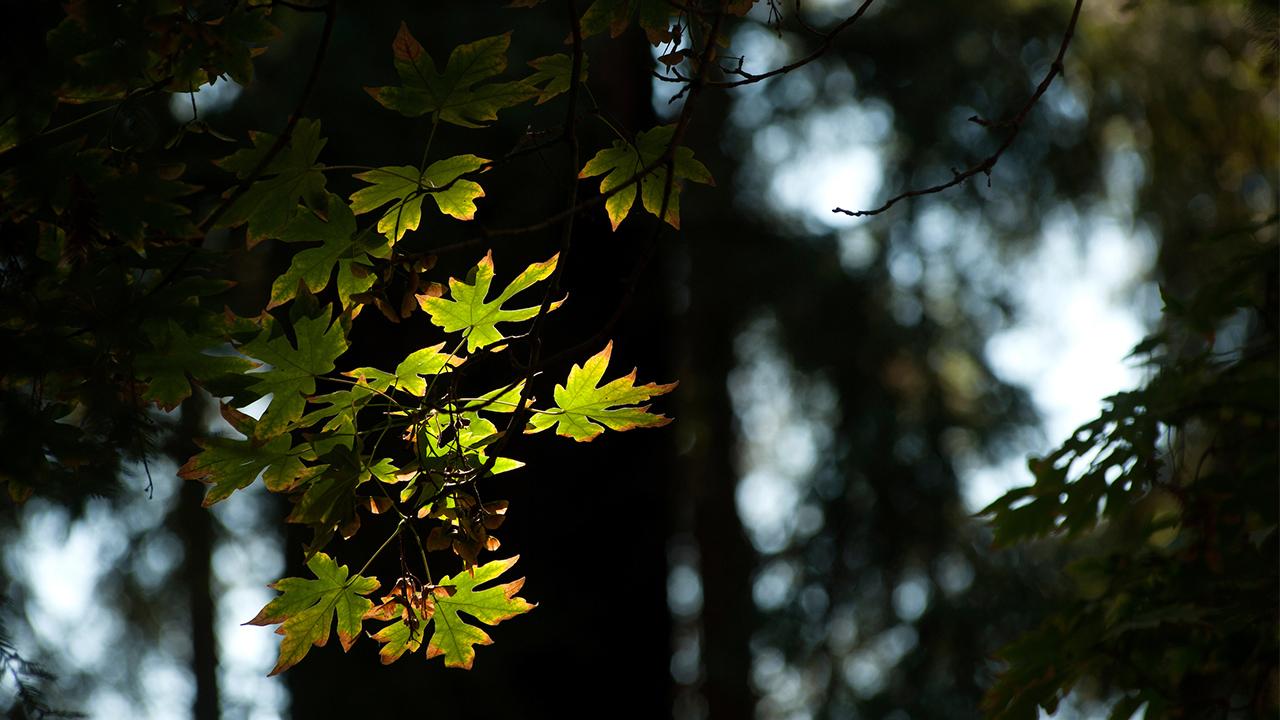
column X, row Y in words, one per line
column 294, row 370
column 328, row 501
column 624, row 160
column 271, row 203
column 459, row 94
column 403, row 186
column 229, row 464
column 410, row 375
column 616, row 15
column 340, row 246
column 306, row 609
column 466, row 310
column 584, row 408
column 453, row 637
column 553, row 73
column 178, row 359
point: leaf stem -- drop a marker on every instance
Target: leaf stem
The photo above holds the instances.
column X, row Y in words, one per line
column 381, row 547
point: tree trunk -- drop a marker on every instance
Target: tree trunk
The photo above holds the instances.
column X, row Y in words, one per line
column 196, row 527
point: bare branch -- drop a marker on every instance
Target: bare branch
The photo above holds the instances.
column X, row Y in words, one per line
column 749, row 78
column 1013, row 123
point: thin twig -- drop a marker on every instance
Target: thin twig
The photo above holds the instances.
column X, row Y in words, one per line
column 749, row 78
column 1014, row 124
column 326, row 34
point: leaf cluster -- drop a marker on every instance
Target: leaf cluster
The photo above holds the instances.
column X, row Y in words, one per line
column 114, row 308
column 1170, row 500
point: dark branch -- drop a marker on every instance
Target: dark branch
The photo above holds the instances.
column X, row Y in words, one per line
column 748, row 78
column 326, row 34
column 1014, row 124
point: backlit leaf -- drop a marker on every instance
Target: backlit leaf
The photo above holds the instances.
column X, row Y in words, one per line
column 307, row 609
column 412, row 373
column 405, row 189
column 452, row 636
column 228, row 464
column 584, row 408
column 621, row 163
column 466, row 310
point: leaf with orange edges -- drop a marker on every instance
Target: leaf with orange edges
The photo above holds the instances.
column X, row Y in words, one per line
column 584, row 408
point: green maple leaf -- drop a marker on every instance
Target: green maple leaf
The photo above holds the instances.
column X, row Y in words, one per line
column 328, row 500
column 624, row 161
column 178, row 359
column 338, row 410
column 340, row 246
column 271, row 203
column 616, row 15
column 553, row 73
column 451, row 635
column 294, row 370
column 584, row 408
column 228, row 464
column 466, row 310
column 412, row 372
column 459, row 94
column 403, row 186
column 307, row 608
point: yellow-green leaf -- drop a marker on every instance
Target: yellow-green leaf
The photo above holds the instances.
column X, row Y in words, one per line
column 306, row 609
column 229, row 464
column 452, row 636
column 584, row 408
column 405, row 188
column 466, row 309
column 621, row 164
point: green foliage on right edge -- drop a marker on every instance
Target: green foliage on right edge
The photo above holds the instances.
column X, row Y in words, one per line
column 1171, row 498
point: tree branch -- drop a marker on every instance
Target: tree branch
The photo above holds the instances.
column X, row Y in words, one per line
column 748, row 78
column 1014, row 124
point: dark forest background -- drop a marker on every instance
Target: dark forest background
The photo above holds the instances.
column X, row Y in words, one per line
column 798, row 343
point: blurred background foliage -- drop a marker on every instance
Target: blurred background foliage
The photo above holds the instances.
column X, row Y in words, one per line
column 801, row 543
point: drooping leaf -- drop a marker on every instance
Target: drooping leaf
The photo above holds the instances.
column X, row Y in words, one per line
column 328, row 500
column 306, row 609
column 229, row 464
column 553, row 73
column 271, row 203
column 584, row 408
column 466, row 310
column 340, row 246
column 405, row 189
column 624, row 161
column 451, row 636
column 459, row 94
column 294, row 368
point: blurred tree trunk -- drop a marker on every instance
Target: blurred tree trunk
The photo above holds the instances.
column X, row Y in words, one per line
column 195, row 525
column 726, row 556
